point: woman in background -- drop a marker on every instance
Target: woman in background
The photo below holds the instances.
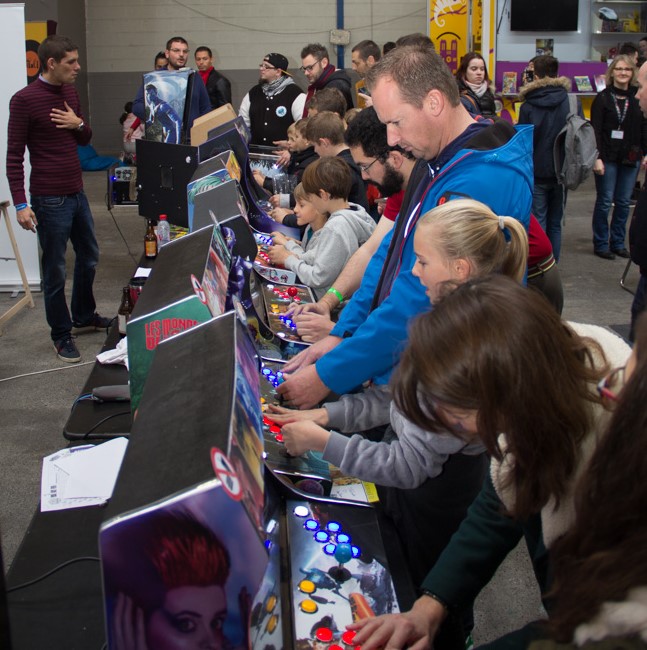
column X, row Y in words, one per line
column 474, row 86
column 621, row 138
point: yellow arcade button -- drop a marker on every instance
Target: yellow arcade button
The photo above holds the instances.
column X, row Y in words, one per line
column 271, row 603
column 308, row 606
column 272, row 623
column 307, row 586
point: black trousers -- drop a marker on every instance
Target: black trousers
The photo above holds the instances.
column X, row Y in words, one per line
column 425, row 519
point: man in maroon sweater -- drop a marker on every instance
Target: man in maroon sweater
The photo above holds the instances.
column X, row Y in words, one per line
column 46, row 118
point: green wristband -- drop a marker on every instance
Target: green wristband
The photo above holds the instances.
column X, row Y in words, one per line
column 337, row 294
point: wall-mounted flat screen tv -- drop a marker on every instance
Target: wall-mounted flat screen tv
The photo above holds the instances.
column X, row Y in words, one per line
column 543, row 15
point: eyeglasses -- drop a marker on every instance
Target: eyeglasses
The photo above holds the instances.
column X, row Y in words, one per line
column 365, row 167
column 608, row 387
column 264, row 66
column 622, row 70
column 309, row 68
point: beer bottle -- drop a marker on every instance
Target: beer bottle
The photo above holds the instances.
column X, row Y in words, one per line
column 125, row 309
column 150, row 241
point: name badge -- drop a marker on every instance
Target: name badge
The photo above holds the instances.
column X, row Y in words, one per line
column 617, row 135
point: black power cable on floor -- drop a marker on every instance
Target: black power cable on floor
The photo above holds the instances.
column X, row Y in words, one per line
column 134, row 259
column 29, row 583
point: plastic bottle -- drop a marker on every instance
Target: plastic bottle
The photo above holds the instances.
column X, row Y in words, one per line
column 150, row 241
column 163, row 231
column 125, row 309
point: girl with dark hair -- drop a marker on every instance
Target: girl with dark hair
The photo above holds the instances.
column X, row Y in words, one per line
column 600, row 565
column 493, row 362
column 188, row 613
column 474, row 86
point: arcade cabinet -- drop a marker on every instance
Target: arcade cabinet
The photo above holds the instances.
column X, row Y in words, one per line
column 187, row 286
column 301, row 566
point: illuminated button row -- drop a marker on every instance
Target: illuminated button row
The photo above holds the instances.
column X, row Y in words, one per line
column 289, row 294
column 273, row 428
column 288, row 322
column 274, row 377
column 335, row 542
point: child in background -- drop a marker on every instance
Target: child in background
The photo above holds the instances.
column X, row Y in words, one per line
column 350, row 115
column 302, row 155
column 327, row 99
column 326, row 133
column 336, row 228
column 131, row 131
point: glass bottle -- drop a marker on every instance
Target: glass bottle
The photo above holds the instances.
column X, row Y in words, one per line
column 150, row 241
column 124, row 311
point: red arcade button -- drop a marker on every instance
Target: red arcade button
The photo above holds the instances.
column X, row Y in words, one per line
column 324, row 634
column 348, row 636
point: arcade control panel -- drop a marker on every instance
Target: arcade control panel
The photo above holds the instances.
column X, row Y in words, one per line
column 278, row 299
column 264, row 266
column 330, row 563
column 338, row 571
column 309, row 472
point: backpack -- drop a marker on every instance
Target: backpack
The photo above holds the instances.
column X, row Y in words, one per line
column 575, row 150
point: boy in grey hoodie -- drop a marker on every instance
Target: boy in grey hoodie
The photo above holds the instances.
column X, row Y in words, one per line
column 336, row 228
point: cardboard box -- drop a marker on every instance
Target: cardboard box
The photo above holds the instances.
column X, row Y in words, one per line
column 202, row 125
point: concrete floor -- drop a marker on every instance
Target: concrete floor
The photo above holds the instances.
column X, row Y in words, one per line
column 36, row 403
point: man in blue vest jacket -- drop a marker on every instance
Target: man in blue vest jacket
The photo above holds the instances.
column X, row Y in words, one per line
column 415, row 95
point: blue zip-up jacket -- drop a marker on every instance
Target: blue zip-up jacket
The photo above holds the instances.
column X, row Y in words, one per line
column 499, row 176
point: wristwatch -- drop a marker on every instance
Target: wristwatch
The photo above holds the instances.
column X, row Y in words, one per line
column 80, row 126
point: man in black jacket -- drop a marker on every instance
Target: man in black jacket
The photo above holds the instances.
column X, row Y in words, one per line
column 274, row 103
column 218, row 86
column 546, row 107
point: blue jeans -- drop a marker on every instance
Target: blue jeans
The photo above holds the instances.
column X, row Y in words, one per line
column 615, row 185
column 63, row 218
column 548, row 208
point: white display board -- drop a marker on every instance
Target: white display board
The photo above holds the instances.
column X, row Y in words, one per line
column 14, row 77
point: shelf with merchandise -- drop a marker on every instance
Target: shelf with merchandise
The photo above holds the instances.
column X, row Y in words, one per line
column 616, row 22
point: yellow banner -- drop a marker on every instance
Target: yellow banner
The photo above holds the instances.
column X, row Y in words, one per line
column 35, row 34
column 449, row 29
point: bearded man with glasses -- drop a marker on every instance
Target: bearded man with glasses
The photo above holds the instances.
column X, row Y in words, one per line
column 276, row 102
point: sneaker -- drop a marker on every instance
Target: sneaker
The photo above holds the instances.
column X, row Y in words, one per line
column 621, row 252
column 95, row 323
column 66, row 349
